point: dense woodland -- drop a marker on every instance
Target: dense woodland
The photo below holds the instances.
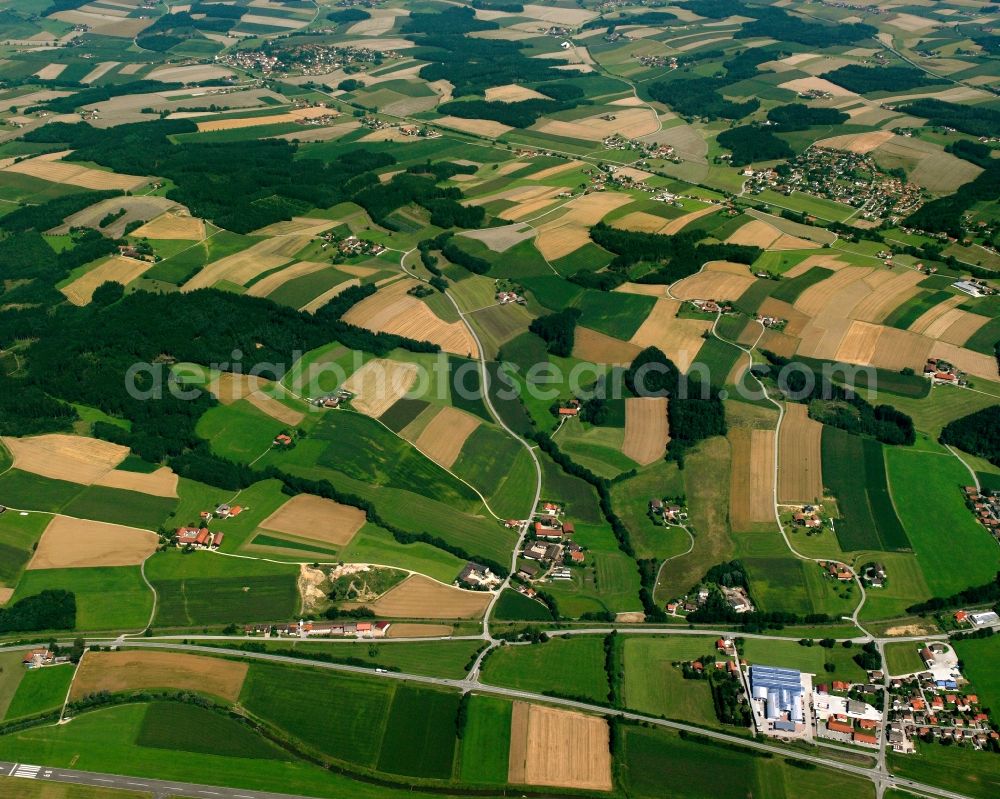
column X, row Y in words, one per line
column 49, row 610
column 676, row 256
column 557, row 330
column 750, row 143
column 798, row 116
column 978, row 434
column 864, row 80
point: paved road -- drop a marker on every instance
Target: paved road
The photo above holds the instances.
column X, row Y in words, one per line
column 876, row 775
column 159, row 788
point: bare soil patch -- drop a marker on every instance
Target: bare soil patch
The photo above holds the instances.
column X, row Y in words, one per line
column 317, row 519
column 275, row 409
column 393, row 310
column 420, row 597
column 556, row 747
column 445, row 435
column 712, row 284
column 379, row 384
column 296, row 115
column 174, row 225
column 131, row 671
column 572, row 230
column 50, row 167
column 751, row 490
column 630, row 123
column 591, row 345
column 680, row 339
column 646, row 429
column 80, row 543
column 62, row 457
column 501, row 239
column 116, row 269
column 161, row 483
column 478, row 127
column 800, row 466
column 860, row 143
column 409, row 630
column 512, row 93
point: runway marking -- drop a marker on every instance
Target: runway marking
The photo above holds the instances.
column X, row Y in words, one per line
column 26, row 772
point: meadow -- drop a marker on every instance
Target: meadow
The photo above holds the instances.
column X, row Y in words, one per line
column 953, row 549
column 131, row 508
column 812, row 659
column 107, row 598
column 655, row 686
column 200, row 588
column 513, row 606
column 903, row 658
column 980, row 658
column 957, row 768
column 40, row 690
column 485, row 743
column 419, row 739
column 189, row 728
column 854, row 470
column 572, row 667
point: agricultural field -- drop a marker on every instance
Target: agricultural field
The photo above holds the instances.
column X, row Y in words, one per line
column 363, row 288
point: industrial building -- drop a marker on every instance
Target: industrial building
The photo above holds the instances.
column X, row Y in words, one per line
column 780, row 693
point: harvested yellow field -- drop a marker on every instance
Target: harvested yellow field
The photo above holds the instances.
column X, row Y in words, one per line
column 677, row 225
column 680, row 339
column 501, row 239
column 189, row 74
column 519, row 194
column 317, row 519
column 76, row 459
column 276, row 280
column 420, row 597
column 116, row 269
column 595, row 347
column 5, row 595
column 816, row 84
column 928, row 318
column 646, row 429
column 296, row 115
column 50, row 167
column 242, row 267
column 99, row 71
column 512, row 93
column 120, row 671
column 173, row 225
column 297, row 224
column 445, row 435
column 898, row 349
column 228, row 387
column 890, row 295
column 641, row 222
column 751, row 489
column 912, row 23
column 940, row 326
column 574, row 17
column 779, row 343
column 275, row 409
column 629, row 122
column 860, row 143
column 572, row 230
column 278, row 22
column 80, row 543
column 394, row 310
column 50, row 71
column 800, row 465
column 858, row 345
column 530, row 209
column 379, row 384
column 558, row 169
column 645, row 289
column 160, row 483
column 963, row 328
column 478, row 127
column 760, row 234
column 831, row 262
column 559, row 748
column 818, row 296
column 714, row 284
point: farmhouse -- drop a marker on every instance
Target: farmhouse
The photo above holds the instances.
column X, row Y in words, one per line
column 37, row 658
column 476, row 576
column 198, row 538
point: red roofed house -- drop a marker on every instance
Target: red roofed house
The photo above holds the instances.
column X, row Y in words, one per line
column 868, row 724
column 568, row 528
column 862, row 738
column 217, row 540
column 839, row 726
column 839, row 685
column 569, row 411
column 961, row 616
column 282, row 440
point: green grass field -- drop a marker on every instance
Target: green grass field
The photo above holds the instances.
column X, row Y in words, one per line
column 903, row 658
column 953, row 549
column 107, row 597
column 485, row 743
column 116, row 506
column 11, row 674
column 487, row 461
column 695, row 768
column 782, row 583
column 419, row 738
column 340, row 715
column 18, row 535
column 956, row 768
column 853, row 469
column 513, row 606
column 189, row 728
column 792, row 655
column 654, row 685
column 790, row 289
column 41, row 690
column 106, row 741
column 980, row 657
column 618, row 315
column 573, row 667
column 33, row 492
column 199, row 588
column 911, row 310
column 630, row 499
